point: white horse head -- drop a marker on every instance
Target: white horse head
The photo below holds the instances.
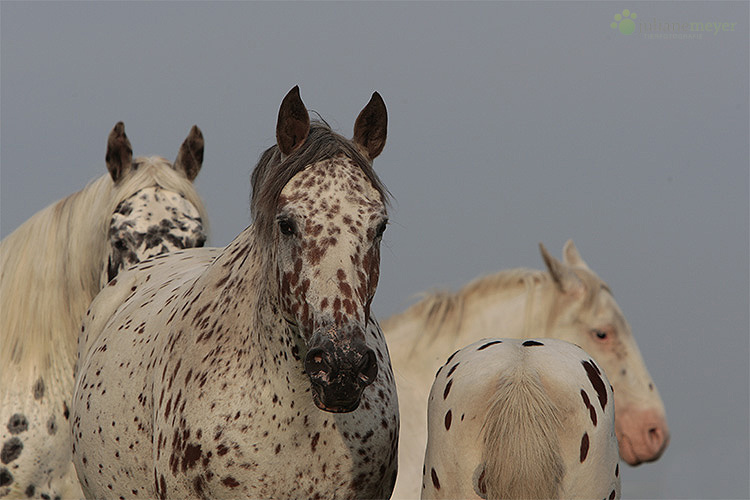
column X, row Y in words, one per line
column 159, row 217
column 588, row 315
column 52, row 267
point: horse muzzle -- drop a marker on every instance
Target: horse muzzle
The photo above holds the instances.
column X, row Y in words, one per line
column 340, row 366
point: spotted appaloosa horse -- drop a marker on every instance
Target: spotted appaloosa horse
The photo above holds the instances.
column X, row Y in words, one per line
column 255, row 370
column 512, row 418
column 567, row 302
column 52, row 267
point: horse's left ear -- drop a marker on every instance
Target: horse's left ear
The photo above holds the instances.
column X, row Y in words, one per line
column 293, row 123
column 371, row 127
column 564, row 277
column 119, row 152
column 190, row 157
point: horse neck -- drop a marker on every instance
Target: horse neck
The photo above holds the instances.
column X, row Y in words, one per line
column 51, row 268
column 513, row 304
column 244, row 273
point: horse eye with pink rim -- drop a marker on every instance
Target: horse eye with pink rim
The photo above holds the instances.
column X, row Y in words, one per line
column 601, row 334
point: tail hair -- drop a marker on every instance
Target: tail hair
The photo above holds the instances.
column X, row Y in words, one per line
column 521, row 454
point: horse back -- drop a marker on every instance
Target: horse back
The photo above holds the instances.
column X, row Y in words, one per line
column 523, row 401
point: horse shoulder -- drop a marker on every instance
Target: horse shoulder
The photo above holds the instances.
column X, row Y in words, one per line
column 103, row 307
column 130, row 288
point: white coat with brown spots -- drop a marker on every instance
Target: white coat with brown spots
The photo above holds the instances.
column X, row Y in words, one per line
column 254, row 370
column 512, row 418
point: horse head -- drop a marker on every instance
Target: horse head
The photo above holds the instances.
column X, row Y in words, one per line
column 588, row 315
column 317, row 199
column 159, row 211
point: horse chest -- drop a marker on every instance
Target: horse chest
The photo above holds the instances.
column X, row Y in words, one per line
column 253, row 430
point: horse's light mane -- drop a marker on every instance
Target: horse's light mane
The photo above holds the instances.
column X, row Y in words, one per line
column 50, row 266
column 442, row 310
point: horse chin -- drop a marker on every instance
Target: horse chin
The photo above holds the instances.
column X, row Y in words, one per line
column 627, row 453
column 337, row 407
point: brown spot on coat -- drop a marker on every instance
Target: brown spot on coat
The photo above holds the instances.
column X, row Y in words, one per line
column 584, row 446
column 435, row 480
column 38, row 388
column 230, row 482
column 447, row 389
column 314, row 442
column 192, row 455
column 596, row 380
column 485, row 346
column 592, row 410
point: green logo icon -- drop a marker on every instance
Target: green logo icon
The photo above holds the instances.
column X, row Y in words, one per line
column 624, row 22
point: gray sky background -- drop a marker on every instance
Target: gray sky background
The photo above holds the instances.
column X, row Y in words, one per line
column 509, row 124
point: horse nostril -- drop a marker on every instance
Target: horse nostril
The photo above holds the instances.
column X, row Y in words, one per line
column 655, row 439
column 368, row 368
column 316, row 363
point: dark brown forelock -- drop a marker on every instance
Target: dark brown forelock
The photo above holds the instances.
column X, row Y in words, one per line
column 271, row 175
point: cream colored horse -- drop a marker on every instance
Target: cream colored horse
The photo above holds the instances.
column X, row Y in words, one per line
column 569, row 302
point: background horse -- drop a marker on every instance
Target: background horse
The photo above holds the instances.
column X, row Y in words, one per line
column 254, row 370
column 52, row 267
column 568, row 302
column 515, row 418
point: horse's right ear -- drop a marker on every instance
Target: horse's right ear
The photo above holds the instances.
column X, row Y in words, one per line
column 371, row 127
column 565, row 279
column 293, row 123
column 572, row 257
column 190, row 157
column 119, row 152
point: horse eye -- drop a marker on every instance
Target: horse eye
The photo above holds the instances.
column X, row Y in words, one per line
column 381, row 229
column 286, row 227
column 601, row 335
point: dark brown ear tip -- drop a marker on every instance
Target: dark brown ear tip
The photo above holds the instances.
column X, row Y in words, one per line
column 118, row 129
column 293, row 94
column 196, row 133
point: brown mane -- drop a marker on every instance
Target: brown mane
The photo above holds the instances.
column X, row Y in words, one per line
column 272, row 172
